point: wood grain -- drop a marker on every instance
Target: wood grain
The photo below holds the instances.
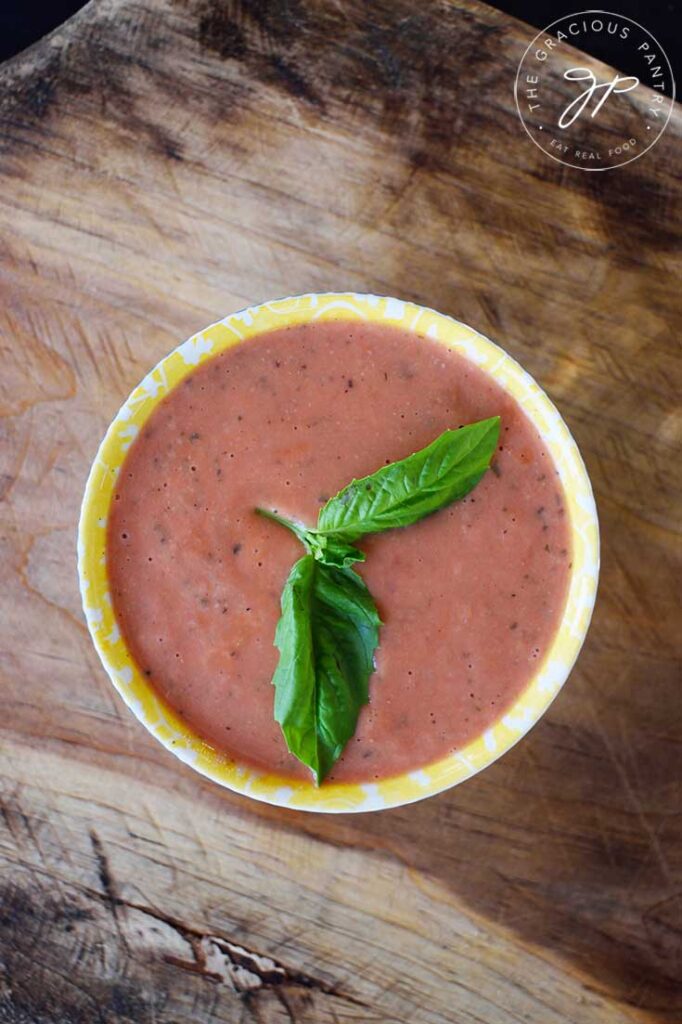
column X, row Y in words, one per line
column 160, row 165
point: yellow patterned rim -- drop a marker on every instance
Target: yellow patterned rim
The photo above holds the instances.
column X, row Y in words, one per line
column 160, row 719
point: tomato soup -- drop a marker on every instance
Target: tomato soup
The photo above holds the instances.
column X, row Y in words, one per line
column 470, row 597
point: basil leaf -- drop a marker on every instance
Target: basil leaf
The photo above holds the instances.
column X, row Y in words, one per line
column 404, row 492
column 326, row 636
column 332, row 550
column 329, row 627
column 328, row 549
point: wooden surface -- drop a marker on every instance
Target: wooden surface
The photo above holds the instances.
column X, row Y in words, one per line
column 163, row 163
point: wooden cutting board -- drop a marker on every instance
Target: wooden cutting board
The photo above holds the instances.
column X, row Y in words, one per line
column 161, row 164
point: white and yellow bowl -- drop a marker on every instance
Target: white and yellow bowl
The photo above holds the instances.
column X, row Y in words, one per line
column 162, row 721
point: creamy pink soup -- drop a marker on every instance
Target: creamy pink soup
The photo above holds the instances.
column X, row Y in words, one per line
column 470, row 597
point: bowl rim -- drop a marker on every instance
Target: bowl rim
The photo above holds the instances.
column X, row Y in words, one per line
column 160, row 719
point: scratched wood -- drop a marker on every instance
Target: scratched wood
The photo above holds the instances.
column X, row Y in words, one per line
column 163, row 163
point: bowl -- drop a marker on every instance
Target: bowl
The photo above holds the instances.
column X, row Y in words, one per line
column 161, row 720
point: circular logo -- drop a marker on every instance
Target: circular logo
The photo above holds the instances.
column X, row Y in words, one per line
column 581, row 112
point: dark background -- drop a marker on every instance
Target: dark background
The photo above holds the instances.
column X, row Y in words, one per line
column 23, row 22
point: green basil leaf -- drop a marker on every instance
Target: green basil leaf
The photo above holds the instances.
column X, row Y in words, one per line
column 329, row 627
column 332, row 550
column 328, row 549
column 326, row 636
column 404, row 492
